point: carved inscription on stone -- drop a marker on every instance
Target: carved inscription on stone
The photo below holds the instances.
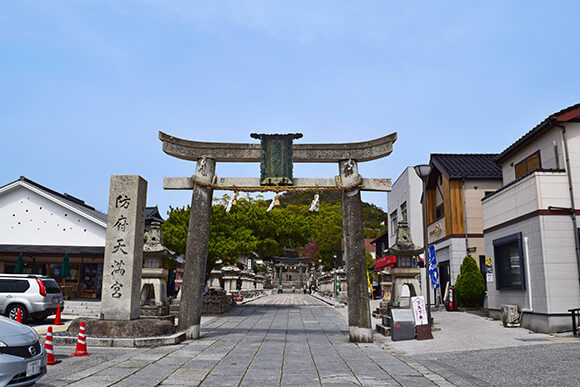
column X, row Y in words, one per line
column 124, row 248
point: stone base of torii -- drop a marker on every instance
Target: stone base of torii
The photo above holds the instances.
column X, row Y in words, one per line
column 205, row 181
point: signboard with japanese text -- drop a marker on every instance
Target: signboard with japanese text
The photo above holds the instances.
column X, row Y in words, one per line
column 489, row 269
column 386, row 261
column 120, row 296
column 433, row 272
column 419, row 311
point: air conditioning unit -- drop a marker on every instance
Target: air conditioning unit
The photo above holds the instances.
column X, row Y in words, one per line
column 510, row 316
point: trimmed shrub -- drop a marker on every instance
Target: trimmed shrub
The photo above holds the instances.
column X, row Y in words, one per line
column 470, row 284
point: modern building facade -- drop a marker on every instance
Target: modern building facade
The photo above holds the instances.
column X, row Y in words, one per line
column 530, row 228
column 454, row 189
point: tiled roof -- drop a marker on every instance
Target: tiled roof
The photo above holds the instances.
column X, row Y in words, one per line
column 152, row 215
column 469, row 166
column 546, row 124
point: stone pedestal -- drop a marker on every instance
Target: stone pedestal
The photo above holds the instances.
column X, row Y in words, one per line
column 153, row 280
column 260, row 283
column 404, row 276
column 124, row 248
column 215, row 277
column 230, row 276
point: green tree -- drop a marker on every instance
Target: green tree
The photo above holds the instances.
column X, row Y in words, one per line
column 470, row 284
column 247, row 228
column 373, row 216
column 328, row 232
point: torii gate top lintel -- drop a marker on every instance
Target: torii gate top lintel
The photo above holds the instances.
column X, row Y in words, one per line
column 302, row 153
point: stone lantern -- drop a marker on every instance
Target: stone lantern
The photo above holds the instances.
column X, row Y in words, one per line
column 153, row 274
column 404, row 273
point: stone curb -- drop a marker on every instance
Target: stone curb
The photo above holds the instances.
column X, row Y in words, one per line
column 331, row 302
column 245, row 301
column 126, row 342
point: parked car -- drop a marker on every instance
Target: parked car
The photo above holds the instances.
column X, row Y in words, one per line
column 22, row 358
column 36, row 296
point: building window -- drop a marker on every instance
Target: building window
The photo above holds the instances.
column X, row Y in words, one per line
column 531, row 163
column 394, row 223
column 439, row 212
column 509, row 262
column 404, row 211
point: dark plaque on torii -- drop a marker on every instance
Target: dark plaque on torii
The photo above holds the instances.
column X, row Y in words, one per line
column 276, row 158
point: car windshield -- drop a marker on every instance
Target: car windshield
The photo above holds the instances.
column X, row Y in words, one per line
column 51, row 286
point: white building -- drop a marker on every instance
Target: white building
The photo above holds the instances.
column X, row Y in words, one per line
column 404, row 203
column 530, row 225
column 43, row 225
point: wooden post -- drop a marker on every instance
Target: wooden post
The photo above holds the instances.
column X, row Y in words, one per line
column 197, row 249
column 359, row 317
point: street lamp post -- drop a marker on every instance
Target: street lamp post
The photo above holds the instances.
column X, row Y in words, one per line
column 423, row 171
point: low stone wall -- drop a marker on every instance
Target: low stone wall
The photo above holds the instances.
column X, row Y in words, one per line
column 217, row 304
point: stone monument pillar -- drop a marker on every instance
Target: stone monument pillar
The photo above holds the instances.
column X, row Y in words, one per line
column 124, row 248
column 197, row 248
column 359, row 314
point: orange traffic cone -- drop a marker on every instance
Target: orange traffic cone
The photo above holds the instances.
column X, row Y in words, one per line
column 19, row 315
column 50, row 360
column 81, row 342
column 57, row 318
column 240, row 296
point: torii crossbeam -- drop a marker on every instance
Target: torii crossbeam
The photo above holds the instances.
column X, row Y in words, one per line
column 276, row 154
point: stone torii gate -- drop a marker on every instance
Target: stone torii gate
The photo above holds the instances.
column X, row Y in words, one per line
column 276, row 154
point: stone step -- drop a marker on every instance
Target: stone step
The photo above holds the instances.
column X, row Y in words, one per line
column 82, row 308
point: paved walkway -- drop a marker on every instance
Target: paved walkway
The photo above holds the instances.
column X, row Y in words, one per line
column 278, row 340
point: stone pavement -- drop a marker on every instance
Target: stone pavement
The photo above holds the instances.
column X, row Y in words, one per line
column 278, row 340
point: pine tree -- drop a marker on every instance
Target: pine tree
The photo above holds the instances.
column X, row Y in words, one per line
column 470, row 284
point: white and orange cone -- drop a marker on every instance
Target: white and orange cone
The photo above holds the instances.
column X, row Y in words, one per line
column 50, row 360
column 19, row 316
column 81, row 342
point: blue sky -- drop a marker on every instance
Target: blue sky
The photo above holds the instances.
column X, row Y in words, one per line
column 85, row 86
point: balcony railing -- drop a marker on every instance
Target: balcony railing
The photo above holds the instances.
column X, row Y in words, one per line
column 535, row 191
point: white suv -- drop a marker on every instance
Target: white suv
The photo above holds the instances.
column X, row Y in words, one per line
column 36, row 296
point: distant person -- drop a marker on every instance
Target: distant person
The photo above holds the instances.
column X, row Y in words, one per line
column 293, row 289
column 280, row 289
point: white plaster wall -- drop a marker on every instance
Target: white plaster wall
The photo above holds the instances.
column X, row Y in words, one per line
column 452, row 250
column 562, row 284
column 546, row 147
column 407, row 188
column 28, row 218
column 474, row 192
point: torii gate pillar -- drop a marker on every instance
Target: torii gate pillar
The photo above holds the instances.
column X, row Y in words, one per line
column 359, row 314
column 197, row 249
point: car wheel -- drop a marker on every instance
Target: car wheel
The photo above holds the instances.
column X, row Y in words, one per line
column 13, row 312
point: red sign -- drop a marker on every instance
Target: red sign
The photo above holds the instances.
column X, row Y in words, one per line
column 387, row 260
